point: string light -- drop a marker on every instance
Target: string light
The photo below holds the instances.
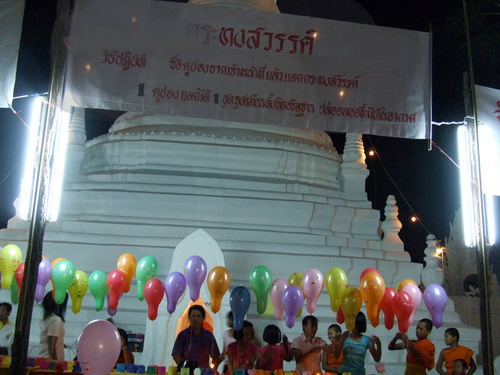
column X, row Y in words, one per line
column 413, row 219
column 371, row 153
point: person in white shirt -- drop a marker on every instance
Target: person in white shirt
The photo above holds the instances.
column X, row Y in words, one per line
column 307, row 347
column 52, row 328
column 6, row 328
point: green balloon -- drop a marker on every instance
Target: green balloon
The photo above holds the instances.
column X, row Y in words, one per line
column 146, row 269
column 261, row 282
column 63, row 276
column 14, row 291
column 98, row 288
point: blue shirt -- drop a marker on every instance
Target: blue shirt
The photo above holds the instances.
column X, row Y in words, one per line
column 196, row 347
column 354, row 355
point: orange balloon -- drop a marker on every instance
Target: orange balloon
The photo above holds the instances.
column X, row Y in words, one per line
column 218, row 281
column 372, row 288
column 404, row 283
column 53, row 263
column 351, row 304
column 127, row 264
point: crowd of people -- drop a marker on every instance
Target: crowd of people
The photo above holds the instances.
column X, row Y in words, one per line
column 345, row 354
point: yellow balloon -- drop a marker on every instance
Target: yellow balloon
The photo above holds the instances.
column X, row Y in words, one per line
column 351, row 304
column 77, row 290
column 336, row 282
column 372, row 289
column 404, row 283
column 10, row 258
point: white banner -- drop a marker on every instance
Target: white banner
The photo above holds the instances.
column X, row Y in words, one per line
column 11, row 22
column 488, row 113
column 248, row 66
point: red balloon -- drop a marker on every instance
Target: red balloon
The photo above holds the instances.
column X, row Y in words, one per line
column 153, row 293
column 368, row 270
column 386, row 306
column 19, row 275
column 116, row 282
column 340, row 316
column 402, row 304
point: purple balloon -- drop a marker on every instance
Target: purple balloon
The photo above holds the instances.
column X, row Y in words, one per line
column 292, row 301
column 175, row 285
column 111, row 312
column 99, row 347
column 44, row 273
column 239, row 301
column 195, row 271
column 435, row 299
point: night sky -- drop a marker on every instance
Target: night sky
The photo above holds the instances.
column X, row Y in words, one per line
column 427, row 179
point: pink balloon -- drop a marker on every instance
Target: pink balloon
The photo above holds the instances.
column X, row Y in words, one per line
column 99, row 346
column 368, row 270
column 44, row 273
column 416, row 297
column 277, row 290
column 312, row 283
column 292, row 302
column 195, row 271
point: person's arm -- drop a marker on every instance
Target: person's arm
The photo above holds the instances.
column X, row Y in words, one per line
column 324, row 360
column 338, row 344
column 288, row 352
column 230, row 363
column 394, row 345
column 439, row 364
column 215, row 354
column 376, row 349
column 472, row 367
column 299, row 356
column 128, row 357
column 51, row 342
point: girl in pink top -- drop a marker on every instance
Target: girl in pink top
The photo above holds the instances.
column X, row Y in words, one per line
column 242, row 353
column 273, row 354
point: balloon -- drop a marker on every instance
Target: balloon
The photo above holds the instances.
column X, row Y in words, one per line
column 195, row 271
column 153, row 292
column 19, row 276
column 10, row 258
column 175, row 285
column 416, row 297
column 312, row 283
column 14, row 291
column 351, row 304
column 386, row 306
column 260, row 281
column 77, row 290
column 340, row 316
column 98, row 288
column 292, row 302
column 239, row 301
column 63, row 275
column 372, row 289
column 116, row 285
column 127, row 264
column 111, row 312
column 336, row 282
column 218, row 281
column 402, row 305
column 99, row 347
column 277, row 289
column 435, row 299
column 404, row 283
column 368, row 270
column 146, row 269
column 53, row 264
column 295, row 279
column 44, row 275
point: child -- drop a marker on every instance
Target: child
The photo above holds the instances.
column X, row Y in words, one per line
column 354, row 347
column 126, row 356
column 227, row 338
column 307, row 347
column 242, row 353
column 453, row 352
column 459, row 367
column 329, row 363
column 274, row 354
column 420, row 351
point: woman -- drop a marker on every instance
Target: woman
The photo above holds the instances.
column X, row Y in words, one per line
column 195, row 343
column 242, row 353
column 354, row 345
column 52, row 328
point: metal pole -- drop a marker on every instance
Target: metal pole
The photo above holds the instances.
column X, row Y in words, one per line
column 478, row 204
column 37, row 226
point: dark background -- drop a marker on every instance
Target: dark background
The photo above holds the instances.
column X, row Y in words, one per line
column 426, row 179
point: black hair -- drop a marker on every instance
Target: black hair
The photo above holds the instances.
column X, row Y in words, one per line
column 309, row 318
column 360, row 323
column 7, row 305
column 272, row 334
column 336, row 327
column 427, row 322
column 50, row 307
column 123, row 334
column 199, row 308
column 462, row 361
column 453, row 332
column 230, row 315
column 238, row 335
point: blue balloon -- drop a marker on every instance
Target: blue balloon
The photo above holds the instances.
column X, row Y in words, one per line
column 239, row 301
